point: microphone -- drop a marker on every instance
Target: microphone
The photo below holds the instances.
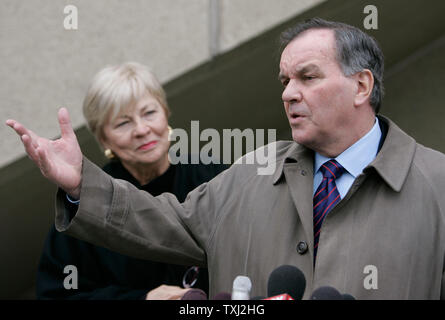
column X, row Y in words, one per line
column 286, row 283
column 241, row 288
column 194, row 294
column 326, row 293
column 283, row 296
column 222, row 296
column 347, row 296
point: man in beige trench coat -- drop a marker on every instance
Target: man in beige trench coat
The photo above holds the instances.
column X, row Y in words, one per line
column 382, row 235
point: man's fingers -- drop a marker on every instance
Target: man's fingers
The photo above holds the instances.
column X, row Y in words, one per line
column 30, row 148
column 10, row 122
column 65, row 123
column 28, row 139
column 44, row 163
column 17, row 127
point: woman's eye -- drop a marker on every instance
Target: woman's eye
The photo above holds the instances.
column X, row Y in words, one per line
column 121, row 124
column 149, row 112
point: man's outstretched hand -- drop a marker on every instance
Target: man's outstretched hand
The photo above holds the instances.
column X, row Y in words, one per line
column 60, row 160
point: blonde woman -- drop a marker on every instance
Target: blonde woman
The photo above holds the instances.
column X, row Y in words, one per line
column 126, row 110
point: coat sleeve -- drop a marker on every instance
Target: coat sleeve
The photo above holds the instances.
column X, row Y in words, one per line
column 116, row 215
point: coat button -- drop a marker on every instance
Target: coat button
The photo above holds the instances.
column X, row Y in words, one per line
column 302, row 247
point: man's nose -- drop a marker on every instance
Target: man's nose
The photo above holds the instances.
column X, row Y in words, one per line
column 292, row 92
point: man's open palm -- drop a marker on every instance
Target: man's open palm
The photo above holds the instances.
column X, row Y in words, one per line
column 59, row 160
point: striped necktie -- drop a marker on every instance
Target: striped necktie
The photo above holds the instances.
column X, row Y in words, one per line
column 326, row 196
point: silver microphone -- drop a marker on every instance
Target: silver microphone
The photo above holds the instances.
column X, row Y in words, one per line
column 241, row 288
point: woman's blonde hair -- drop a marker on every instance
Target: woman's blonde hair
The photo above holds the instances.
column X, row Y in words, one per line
column 116, row 87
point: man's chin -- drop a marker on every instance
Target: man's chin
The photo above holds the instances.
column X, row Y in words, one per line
column 299, row 138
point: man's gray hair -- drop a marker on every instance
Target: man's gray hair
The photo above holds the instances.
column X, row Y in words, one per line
column 356, row 51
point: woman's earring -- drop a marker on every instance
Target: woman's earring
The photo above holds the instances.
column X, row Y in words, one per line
column 170, row 132
column 109, row 154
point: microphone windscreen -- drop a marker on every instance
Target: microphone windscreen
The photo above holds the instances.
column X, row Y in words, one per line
column 326, row 293
column 286, row 279
column 241, row 288
column 222, row 296
column 194, row 294
column 242, row 283
column 347, row 296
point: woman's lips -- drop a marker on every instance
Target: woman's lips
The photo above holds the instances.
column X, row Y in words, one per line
column 148, row 145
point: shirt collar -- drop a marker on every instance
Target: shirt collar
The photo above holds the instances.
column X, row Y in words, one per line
column 359, row 155
column 392, row 163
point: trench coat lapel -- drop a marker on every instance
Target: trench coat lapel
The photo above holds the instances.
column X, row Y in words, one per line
column 298, row 170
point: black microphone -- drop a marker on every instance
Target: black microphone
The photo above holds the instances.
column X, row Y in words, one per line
column 286, row 279
column 326, row 293
column 194, row 294
column 347, row 296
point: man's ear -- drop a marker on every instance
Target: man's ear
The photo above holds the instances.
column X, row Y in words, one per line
column 365, row 83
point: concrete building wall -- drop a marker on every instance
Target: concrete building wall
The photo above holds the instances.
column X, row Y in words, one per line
column 240, row 20
column 44, row 66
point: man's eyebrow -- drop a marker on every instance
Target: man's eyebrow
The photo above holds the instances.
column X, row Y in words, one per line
column 281, row 77
column 307, row 68
column 300, row 70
